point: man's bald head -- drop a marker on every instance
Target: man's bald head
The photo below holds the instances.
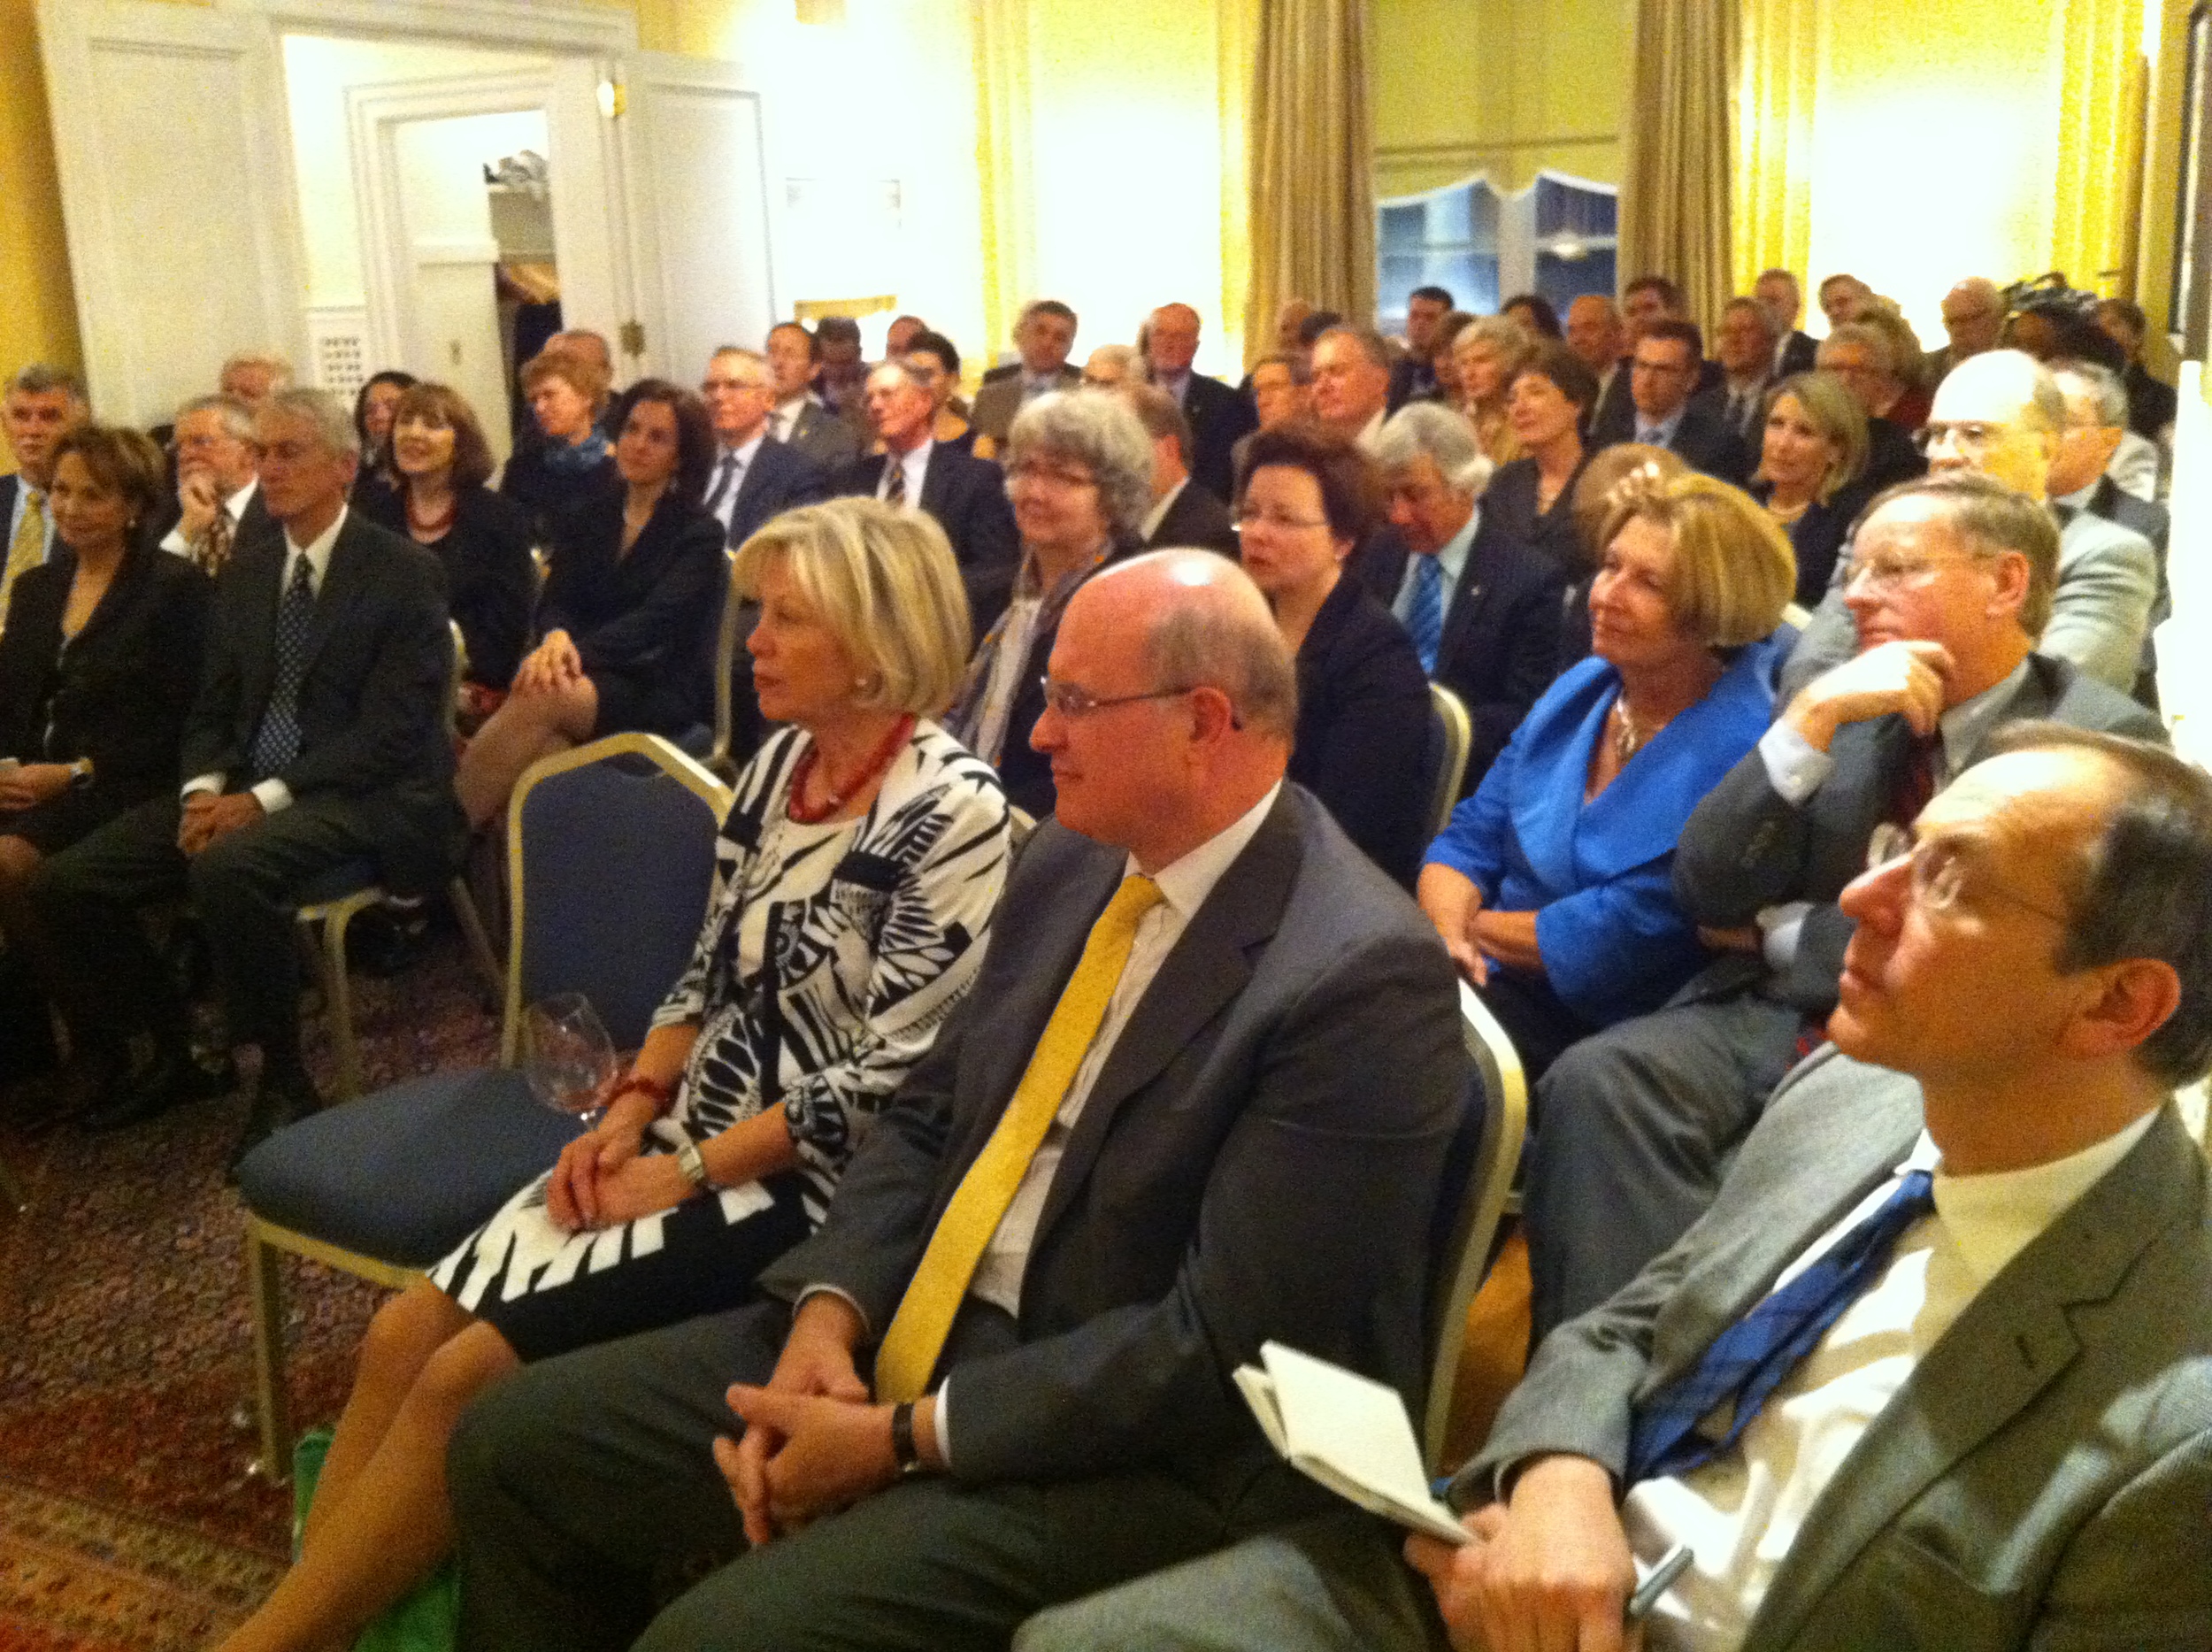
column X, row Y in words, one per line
column 2000, row 413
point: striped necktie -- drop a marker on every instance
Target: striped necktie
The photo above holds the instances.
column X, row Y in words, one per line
column 917, row 1337
column 1424, row 614
column 894, row 480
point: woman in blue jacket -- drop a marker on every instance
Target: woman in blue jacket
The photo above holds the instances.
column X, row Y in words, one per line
column 1551, row 884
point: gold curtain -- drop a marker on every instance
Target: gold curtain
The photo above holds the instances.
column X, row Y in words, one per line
column 1003, row 142
column 1772, row 185
column 1675, row 186
column 1312, row 165
column 2100, row 144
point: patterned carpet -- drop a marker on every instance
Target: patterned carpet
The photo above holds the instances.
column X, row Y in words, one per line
column 128, row 1519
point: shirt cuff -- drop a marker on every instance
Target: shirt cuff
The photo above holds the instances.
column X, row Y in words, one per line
column 274, row 795
column 1781, row 926
column 202, row 783
column 1795, row 767
column 847, row 1297
column 173, row 542
column 942, row 1419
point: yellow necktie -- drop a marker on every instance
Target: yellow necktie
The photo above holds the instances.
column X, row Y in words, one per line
column 918, row 1331
column 28, row 549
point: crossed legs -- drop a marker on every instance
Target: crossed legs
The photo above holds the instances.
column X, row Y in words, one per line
column 533, row 723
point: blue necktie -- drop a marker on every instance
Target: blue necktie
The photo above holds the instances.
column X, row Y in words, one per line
column 277, row 742
column 1748, row 1361
column 1425, row 615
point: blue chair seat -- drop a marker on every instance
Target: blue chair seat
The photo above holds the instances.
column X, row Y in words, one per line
column 346, row 878
column 407, row 1174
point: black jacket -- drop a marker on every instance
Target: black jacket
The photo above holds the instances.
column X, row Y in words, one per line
column 1196, row 518
column 1818, row 536
column 780, row 478
column 490, row 583
column 1219, row 419
column 550, row 496
column 1509, row 507
column 967, row 496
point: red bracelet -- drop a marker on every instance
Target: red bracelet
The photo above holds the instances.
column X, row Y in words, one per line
column 660, row 1093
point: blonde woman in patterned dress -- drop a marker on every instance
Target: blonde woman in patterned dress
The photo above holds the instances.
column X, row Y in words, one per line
column 856, row 874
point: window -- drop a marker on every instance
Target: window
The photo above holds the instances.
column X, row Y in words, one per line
column 1557, row 238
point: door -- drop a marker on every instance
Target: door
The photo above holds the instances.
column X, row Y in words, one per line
column 694, row 202
column 174, row 150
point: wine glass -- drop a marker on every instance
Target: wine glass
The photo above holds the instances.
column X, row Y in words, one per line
column 568, row 1058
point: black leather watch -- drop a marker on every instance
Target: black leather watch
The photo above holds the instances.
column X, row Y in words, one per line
column 904, row 1450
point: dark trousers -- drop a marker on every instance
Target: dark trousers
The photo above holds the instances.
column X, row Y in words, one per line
column 108, row 981
column 583, row 1491
column 1633, row 1130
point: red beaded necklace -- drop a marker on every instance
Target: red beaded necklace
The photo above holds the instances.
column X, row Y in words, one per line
column 434, row 526
column 840, row 796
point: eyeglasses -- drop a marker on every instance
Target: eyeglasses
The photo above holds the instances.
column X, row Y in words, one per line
column 1967, row 434
column 1059, row 475
column 1070, row 701
column 1940, row 880
column 1275, row 520
column 1880, row 573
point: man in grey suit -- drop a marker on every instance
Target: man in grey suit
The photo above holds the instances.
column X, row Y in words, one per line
column 1936, row 1370
column 2081, row 484
column 2000, row 413
column 799, row 420
column 1218, row 1168
column 1950, row 581
column 1044, row 335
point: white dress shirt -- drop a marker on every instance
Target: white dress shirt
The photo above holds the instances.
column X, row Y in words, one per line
column 234, row 507
column 1659, row 434
column 1740, row 1512
column 23, row 492
column 1158, row 514
column 273, row 794
column 786, row 414
column 915, row 464
column 1449, row 561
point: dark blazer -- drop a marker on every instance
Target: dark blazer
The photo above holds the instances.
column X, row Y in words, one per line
column 1500, row 649
column 1704, row 443
column 823, row 439
column 1749, row 427
column 779, row 478
column 1236, row 1173
column 999, row 398
column 548, row 495
column 1891, row 456
column 642, row 622
column 2040, row 1478
column 2151, row 402
column 1196, row 518
column 1746, row 847
column 1614, row 417
column 117, row 693
column 1219, row 419
column 372, row 707
column 967, row 496
column 1818, row 536
column 490, row 581
column 1363, row 741
column 254, row 520
column 1509, row 508
column 1799, row 354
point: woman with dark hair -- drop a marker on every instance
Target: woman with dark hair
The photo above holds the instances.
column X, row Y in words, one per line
column 1310, row 497
column 374, row 411
column 1531, row 499
column 1444, row 360
column 932, row 356
column 571, row 461
column 438, row 463
column 1535, row 314
column 633, row 598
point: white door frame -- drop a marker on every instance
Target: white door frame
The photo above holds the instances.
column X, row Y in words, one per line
column 505, row 24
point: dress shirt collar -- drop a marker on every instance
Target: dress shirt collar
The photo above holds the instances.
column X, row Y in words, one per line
column 2079, row 500
column 234, row 507
column 915, row 464
column 745, row 454
column 1158, row 514
column 1993, row 1217
column 317, row 551
column 1662, row 434
column 1185, row 882
column 1037, row 384
column 1966, row 725
column 1372, row 433
column 1452, row 559
column 1178, row 386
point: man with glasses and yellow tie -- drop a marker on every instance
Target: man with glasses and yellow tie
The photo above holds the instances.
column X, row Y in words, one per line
column 1201, row 1098
column 41, row 403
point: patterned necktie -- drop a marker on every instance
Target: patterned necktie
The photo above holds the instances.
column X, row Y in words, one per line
column 1916, row 779
column 918, row 1331
column 28, row 549
column 277, row 742
column 1424, row 614
column 1748, row 1361
column 894, row 480
column 724, row 481
column 212, row 549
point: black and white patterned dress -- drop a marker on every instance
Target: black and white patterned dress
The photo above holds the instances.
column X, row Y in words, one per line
column 830, row 956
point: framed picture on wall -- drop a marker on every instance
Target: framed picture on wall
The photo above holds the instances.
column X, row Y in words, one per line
column 2192, row 306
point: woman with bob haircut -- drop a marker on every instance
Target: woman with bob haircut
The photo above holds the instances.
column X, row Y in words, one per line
column 1552, row 886
column 1812, row 473
column 571, row 461
column 855, row 879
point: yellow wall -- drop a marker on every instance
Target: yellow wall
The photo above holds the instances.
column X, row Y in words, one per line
column 1505, row 87
column 38, row 318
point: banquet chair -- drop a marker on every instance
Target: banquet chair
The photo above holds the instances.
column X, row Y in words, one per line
column 1490, row 1153
column 1451, row 732
column 611, row 849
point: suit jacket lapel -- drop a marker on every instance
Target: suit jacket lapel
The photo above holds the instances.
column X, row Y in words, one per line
column 2015, row 1337
column 348, row 571
column 264, row 578
column 1207, row 968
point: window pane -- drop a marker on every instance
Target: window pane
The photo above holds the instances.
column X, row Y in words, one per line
column 1402, row 229
column 1562, row 280
column 1565, row 208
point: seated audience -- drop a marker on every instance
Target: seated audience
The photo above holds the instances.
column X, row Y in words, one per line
column 1744, row 347
column 1531, row 499
column 841, row 376
column 41, row 403
column 1907, row 363
column 253, row 377
column 967, row 496
column 1282, row 394
column 1218, row 417
column 1950, row 584
column 1489, row 352
column 1362, row 745
column 800, row 418
column 1111, row 366
column 1481, row 607
column 1663, row 375
column 1043, row 336
column 1443, row 361
column 1595, row 334
column 2000, row 413
column 317, row 739
column 1223, row 1170
column 634, row 586
column 1777, row 290
column 99, row 659
column 1412, row 378
column 1841, row 297
column 2150, row 401
column 439, row 464
column 1812, row 459
column 218, row 498
column 1351, row 382
column 898, row 338
column 1931, row 1373
column 2081, row 482
column 1551, row 885
column 1182, row 513
column 1535, row 315
column 1973, row 315
column 1607, row 474
column 1858, row 356
column 755, row 476
column 1078, row 472
column 857, row 872
column 572, row 467
column 373, row 409
column 932, row 356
